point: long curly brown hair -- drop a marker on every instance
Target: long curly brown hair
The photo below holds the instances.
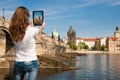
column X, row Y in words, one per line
column 19, row 23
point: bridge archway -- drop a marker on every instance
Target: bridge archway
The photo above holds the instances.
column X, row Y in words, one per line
column 8, row 41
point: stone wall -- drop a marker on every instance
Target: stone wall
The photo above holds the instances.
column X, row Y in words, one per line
column 4, row 22
column 2, row 46
column 47, row 46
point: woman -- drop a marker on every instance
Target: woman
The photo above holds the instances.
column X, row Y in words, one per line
column 22, row 33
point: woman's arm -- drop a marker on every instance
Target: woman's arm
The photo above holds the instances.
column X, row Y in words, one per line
column 42, row 27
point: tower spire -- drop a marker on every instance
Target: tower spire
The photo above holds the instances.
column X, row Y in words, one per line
column 3, row 13
column 117, row 28
column 3, row 16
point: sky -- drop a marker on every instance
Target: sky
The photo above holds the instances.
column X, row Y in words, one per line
column 89, row 18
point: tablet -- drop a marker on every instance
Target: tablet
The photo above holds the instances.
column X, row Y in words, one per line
column 38, row 18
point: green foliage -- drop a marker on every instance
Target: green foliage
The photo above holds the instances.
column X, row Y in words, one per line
column 95, row 47
column 73, row 46
column 86, row 47
column 82, row 45
column 103, row 48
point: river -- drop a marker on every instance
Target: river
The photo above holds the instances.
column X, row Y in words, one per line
column 92, row 67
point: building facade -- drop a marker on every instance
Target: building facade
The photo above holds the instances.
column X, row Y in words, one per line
column 113, row 43
column 88, row 41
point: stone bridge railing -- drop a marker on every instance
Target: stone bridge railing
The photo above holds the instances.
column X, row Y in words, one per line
column 44, row 45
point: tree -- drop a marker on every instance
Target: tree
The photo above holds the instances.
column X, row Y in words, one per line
column 95, row 47
column 73, row 46
column 86, row 47
column 103, row 47
column 82, row 45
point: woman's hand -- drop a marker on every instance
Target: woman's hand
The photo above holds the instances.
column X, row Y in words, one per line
column 43, row 25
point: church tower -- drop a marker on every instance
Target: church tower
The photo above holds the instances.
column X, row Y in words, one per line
column 117, row 32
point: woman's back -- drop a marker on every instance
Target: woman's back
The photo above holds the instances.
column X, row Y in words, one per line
column 25, row 49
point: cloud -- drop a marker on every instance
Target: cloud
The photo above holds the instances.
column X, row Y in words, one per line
column 110, row 2
column 67, row 10
column 52, row 12
column 55, row 12
column 87, row 3
column 7, row 13
column 7, row 4
column 84, row 22
column 116, row 3
column 84, row 3
column 58, row 17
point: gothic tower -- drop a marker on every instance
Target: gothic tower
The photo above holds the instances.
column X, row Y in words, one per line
column 71, row 35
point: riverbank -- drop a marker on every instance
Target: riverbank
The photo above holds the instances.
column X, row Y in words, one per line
column 94, row 52
column 63, row 57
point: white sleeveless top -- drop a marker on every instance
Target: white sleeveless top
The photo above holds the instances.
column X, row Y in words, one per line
column 25, row 49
